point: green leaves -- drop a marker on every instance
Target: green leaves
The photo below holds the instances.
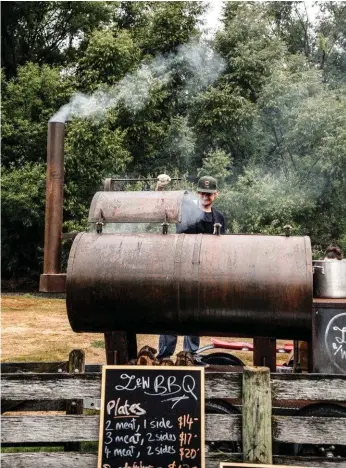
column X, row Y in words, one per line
column 217, row 164
column 48, row 32
column 22, row 222
column 269, row 122
column 29, row 100
column 107, row 59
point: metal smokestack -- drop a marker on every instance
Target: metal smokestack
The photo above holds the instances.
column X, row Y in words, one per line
column 52, row 279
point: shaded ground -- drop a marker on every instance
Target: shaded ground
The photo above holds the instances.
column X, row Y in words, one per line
column 37, row 329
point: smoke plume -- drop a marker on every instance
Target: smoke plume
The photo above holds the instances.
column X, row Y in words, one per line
column 197, row 65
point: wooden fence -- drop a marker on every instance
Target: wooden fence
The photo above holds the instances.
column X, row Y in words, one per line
column 64, row 386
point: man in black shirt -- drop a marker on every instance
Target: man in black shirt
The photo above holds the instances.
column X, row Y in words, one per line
column 198, row 217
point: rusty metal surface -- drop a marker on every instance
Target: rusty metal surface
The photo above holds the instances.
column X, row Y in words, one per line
column 53, row 283
column 191, row 284
column 329, row 303
column 54, row 198
column 136, row 207
column 264, row 353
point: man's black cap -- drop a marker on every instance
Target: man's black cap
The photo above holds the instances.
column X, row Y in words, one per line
column 207, row 184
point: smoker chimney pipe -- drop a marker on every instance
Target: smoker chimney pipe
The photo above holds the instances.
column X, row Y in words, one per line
column 52, row 279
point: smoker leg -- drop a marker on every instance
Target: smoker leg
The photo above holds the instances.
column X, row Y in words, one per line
column 296, row 357
column 310, row 359
column 120, row 347
column 132, row 345
column 264, row 353
column 302, row 356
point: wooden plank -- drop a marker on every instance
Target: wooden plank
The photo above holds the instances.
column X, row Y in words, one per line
column 16, row 429
column 223, row 384
column 322, row 387
column 32, row 405
column 49, row 460
column 223, row 427
column 218, row 385
column 89, row 460
column 93, row 368
column 76, row 365
column 49, row 429
column 52, row 445
column 83, row 460
column 257, row 415
column 35, row 367
column 39, row 367
column 50, row 386
column 65, row 386
column 308, row 430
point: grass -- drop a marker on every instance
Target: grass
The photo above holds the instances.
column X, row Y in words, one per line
column 98, row 344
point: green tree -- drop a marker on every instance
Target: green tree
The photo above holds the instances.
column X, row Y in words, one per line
column 172, row 24
column 264, row 202
column 269, row 121
column 319, row 33
column 107, row 59
column 22, row 220
column 292, row 22
column 217, row 164
column 331, row 31
column 223, row 114
column 92, row 152
column 300, row 129
column 28, row 101
column 50, row 33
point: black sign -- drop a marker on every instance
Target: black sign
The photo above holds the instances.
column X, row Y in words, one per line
column 152, row 417
column 329, row 341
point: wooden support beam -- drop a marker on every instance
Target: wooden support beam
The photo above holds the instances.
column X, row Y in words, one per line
column 264, row 353
column 76, row 365
column 120, row 346
column 257, row 411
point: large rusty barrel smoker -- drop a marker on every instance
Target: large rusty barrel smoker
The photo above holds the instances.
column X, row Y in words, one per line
column 230, row 285
column 258, row 286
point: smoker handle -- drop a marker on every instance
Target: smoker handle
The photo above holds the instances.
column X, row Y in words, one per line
column 321, row 267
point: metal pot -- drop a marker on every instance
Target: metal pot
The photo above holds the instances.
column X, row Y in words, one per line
column 329, row 278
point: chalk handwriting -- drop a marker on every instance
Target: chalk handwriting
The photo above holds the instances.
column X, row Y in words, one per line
column 139, row 432
column 135, row 465
column 341, row 339
column 117, row 409
column 160, row 385
column 335, row 340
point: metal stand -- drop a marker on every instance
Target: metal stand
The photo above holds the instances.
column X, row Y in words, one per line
column 264, row 353
column 121, row 347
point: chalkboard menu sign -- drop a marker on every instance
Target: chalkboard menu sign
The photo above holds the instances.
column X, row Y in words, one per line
column 152, row 417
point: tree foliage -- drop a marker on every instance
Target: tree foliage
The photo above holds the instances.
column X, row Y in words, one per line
column 270, row 125
column 48, row 33
column 29, row 100
column 22, row 221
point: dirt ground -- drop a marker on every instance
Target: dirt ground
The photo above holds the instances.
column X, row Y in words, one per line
column 37, row 329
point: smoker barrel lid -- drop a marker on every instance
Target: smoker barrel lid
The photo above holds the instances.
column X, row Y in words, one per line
column 136, row 207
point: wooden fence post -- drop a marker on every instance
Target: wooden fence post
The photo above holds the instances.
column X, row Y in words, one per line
column 257, row 415
column 76, row 365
